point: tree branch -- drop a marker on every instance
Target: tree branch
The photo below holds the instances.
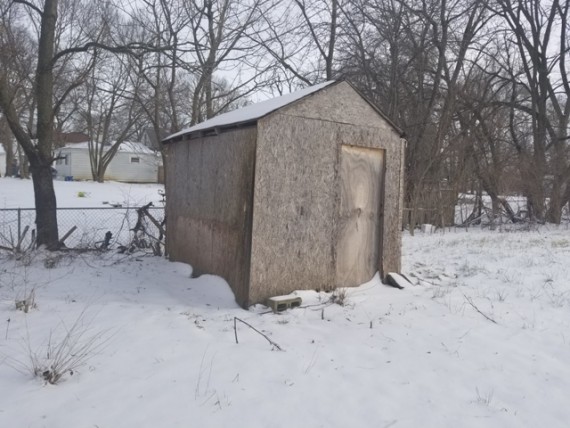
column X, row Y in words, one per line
column 470, row 301
column 275, row 345
column 128, row 49
column 30, row 5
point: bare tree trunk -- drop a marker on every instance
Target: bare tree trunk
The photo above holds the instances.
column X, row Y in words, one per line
column 561, row 176
column 23, row 165
column 7, row 144
column 41, row 158
column 39, row 154
column 46, row 207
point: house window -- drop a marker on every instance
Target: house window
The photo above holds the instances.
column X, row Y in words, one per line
column 135, row 159
column 63, row 160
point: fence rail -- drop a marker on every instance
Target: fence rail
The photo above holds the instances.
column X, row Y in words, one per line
column 92, row 223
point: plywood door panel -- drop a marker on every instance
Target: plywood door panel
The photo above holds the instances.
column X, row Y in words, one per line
column 358, row 242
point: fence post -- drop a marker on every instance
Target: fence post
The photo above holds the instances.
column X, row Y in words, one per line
column 19, row 224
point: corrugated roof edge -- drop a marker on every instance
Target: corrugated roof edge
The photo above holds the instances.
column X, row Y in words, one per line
column 217, row 125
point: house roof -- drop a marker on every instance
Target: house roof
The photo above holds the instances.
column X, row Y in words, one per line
column 126, row 146
column 251, row 113
column 71, row 137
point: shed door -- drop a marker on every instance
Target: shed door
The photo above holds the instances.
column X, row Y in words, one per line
column 360, row 217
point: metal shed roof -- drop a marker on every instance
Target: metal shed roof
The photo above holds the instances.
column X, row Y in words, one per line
column 251, row 113
column 248, row 113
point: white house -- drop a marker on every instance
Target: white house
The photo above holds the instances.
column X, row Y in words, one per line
column 133, row 163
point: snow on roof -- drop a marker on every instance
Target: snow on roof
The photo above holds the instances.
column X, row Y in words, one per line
column 126, row 146
column 83, row 145
column 251, row 112
column 131, row 146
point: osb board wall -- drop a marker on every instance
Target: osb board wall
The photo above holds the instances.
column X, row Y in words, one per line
column 297, row 193
column 341, row 104
column 338, row 103
column 209, row 201
column 293, row 207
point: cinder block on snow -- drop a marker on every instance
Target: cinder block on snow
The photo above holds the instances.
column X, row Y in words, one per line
column 281, row 303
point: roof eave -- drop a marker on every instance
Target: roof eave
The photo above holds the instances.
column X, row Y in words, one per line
column 214, row 130
column 224, row 128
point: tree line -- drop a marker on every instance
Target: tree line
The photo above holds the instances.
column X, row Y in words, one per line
column 480, row 87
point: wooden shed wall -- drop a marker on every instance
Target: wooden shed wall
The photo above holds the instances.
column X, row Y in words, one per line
column 209, row 202
column 297, row 193
column 341, row 104
column 294, row 203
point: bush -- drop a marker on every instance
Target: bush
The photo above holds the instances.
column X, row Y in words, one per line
column 61, row 356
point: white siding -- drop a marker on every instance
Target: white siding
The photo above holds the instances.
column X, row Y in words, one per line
column 78, row 165
column 2, row 164
column 121, row 167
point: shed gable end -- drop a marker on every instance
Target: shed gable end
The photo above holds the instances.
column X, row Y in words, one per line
column 339, row 103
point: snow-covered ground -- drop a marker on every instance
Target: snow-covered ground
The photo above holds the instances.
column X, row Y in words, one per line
column 108, row 210
column 18, row 193
column 481, row 340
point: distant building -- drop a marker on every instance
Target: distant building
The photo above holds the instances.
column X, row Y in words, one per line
column 64, row 138
column 2, row 162
column 133, row 163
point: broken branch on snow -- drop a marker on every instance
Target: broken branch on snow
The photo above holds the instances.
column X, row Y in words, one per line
column 275, row 345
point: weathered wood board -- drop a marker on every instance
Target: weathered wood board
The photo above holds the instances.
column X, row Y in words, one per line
column 209, row 203
column 361, row 181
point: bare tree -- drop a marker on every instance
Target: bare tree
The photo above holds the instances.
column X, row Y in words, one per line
column 39, row 153
column 321, row 23
column 163, row 84
column 18, row 63
column 375, row 55
column 7, row 144
column 107, row 110
column 302, row 38
column 67, row 34
column 410, row 57
column 485, row 130
column 221, row 38
column 534, row 61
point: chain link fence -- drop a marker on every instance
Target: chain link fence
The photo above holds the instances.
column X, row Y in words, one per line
column 17, row 226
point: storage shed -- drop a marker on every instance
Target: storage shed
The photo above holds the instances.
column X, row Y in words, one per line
column 133, row 163
column 303, row 191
